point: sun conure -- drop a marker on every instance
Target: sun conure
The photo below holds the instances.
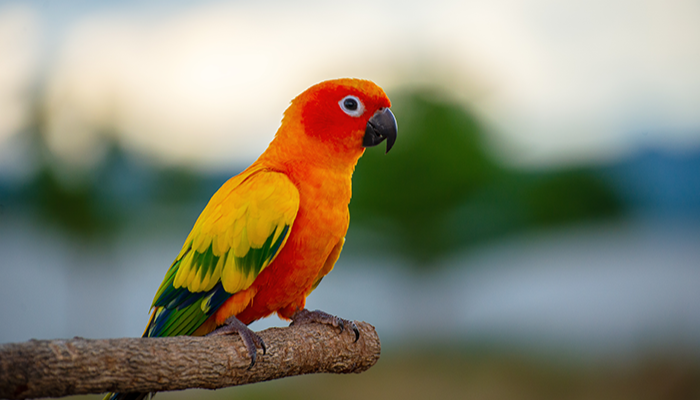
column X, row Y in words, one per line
column 270, row 234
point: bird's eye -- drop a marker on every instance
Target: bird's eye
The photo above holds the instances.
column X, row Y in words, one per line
column 352, row 106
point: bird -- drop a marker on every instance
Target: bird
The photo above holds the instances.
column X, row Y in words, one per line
column 270, row 234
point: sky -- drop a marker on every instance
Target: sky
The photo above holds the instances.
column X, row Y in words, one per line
column 205, row 84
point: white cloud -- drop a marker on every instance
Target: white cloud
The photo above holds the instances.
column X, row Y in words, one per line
column 560, row 81
column 204, row 87
column 582, row 79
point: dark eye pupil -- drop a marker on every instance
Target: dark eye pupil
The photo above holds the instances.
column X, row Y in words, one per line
column 350, row 104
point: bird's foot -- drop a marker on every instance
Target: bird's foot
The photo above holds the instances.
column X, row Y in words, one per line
column 251, row 340
column 305, row 316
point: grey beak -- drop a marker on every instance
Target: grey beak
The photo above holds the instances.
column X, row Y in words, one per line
column 381, row 126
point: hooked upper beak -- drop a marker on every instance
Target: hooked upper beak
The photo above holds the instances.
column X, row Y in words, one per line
column 381, row 126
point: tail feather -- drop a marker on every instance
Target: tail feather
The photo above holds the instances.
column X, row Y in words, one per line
column 129, row 396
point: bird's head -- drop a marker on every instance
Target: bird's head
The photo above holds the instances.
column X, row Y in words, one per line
column 338, row 119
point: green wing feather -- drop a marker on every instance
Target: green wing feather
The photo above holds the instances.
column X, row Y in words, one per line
column 239, row 233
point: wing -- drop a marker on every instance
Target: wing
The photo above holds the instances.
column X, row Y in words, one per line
column 239, row 233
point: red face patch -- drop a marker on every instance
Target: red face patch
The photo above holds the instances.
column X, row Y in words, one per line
column 330, row 114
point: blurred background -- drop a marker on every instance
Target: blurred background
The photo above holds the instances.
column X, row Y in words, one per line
column 534, row 233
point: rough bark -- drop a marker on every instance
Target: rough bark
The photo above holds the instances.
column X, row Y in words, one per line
column 54, row 368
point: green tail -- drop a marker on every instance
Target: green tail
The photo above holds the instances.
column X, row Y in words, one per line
column 129, row 396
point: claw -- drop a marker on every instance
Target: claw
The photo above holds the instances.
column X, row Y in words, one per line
column 251, row 340
column 341, row 325
column 357, row 332
column 305, row 316
column 253, row 356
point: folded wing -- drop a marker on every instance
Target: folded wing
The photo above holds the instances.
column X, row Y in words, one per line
column 239, row 233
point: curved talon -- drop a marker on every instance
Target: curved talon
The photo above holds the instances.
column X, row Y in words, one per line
column 340, row 324
column 357, row 332
column 305, row 316
column 250, row 339
column 253, row 356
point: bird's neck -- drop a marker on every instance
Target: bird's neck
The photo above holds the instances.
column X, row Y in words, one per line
column 292, row 151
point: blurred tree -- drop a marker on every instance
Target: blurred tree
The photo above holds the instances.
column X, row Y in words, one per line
column 74, row 207
column 440, row 190
column 437, row 164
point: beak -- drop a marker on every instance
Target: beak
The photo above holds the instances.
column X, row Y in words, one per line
column 381, row 126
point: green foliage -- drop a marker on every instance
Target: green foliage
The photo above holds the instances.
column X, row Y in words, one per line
column 440, row 190
column 74, row 207
column 177, row 185
column 437, row 164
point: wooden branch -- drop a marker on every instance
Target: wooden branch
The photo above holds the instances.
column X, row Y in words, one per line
column 54, row 368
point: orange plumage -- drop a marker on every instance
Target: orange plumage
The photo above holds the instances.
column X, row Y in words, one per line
column 317, row 147
column 270, row 234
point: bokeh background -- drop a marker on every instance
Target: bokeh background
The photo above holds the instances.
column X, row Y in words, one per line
column 534, row 233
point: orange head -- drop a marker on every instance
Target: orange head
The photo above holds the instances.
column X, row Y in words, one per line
column 333, row 121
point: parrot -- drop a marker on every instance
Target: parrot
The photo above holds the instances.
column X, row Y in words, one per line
column 269, row 235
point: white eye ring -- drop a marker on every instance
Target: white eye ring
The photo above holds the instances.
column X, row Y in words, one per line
column 352, row 106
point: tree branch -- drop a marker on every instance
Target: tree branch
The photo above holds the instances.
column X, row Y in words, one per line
column 54, row 368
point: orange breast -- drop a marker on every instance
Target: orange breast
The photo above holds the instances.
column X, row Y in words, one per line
column 321, row 222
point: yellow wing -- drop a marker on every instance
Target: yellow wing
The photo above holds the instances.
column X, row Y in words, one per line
column 239, row 233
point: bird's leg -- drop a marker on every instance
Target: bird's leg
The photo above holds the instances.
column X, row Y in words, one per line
column 251, row 340
column 305, row 316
